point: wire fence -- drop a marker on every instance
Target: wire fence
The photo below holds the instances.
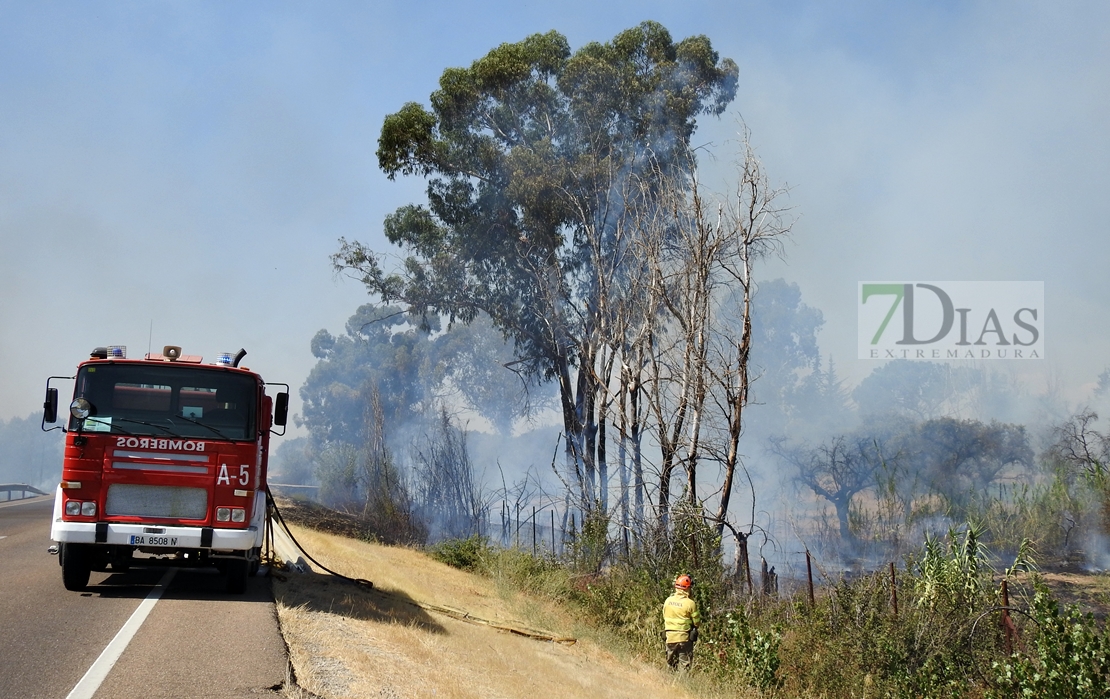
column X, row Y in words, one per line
column 545, row 531
column 551, row 530
column 767, row 570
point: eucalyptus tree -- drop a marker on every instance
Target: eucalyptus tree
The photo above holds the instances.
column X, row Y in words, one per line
column 793, row 391
column 906, row 387
column 528, row 154
column 414, row 370
column 380, row 351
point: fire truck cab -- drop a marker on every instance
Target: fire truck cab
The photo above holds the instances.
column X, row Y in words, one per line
column 165, row 464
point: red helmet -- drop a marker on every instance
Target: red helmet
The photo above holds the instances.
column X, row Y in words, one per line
column 683, row 582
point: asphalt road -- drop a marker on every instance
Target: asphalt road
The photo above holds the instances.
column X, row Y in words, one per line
column 197, row 640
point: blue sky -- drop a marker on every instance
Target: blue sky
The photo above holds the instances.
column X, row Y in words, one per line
column 179, row 172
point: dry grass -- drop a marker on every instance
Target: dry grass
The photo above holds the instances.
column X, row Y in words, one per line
column 345, row 641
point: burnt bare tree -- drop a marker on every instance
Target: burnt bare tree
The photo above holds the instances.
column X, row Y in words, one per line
column 699, row 256
column 1086, row 453
column 836, row 471
column 448, row 494
column 388, row 505
column 361, row 477
column 1080, row 445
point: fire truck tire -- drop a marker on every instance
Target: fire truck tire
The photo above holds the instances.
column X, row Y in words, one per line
column 237, row 570
column 255, row 562
column 121, row 562
column 98, row 559
column 76, row 567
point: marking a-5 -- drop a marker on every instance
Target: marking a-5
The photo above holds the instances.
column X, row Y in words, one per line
column 244, row 477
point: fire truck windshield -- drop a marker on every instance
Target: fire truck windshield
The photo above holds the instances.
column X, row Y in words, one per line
column 161, row 399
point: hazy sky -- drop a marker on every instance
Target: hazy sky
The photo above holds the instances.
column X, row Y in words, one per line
column 179, row 172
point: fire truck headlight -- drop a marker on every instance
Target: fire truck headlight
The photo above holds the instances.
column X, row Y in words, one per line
column 88, row 509
column 80, row 408
column 238, row 514
column 73, row 507
column 223, row 514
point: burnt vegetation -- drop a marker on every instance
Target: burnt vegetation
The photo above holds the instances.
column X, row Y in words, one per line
column 571, row 266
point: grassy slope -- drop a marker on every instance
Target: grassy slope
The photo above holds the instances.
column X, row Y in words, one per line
column 348, row 642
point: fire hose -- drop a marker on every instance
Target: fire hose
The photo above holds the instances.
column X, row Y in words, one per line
column 457, row 614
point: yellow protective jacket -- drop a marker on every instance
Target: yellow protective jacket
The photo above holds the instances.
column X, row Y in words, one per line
column 680, row 614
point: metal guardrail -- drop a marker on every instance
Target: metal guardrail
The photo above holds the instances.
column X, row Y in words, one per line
column 21, row 488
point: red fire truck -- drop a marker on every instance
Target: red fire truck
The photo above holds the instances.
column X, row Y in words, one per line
column 165, row 464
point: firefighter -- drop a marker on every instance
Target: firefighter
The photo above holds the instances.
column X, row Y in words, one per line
column 680, row 621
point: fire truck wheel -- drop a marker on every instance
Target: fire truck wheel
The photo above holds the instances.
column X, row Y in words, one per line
column 255, row 563
column 237, row 569
column 121, row 562
column 75, row 567
column 98, row 559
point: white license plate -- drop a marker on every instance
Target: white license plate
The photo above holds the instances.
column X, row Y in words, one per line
column 153, row 540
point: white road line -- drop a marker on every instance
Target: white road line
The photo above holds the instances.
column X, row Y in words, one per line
column 88, row 685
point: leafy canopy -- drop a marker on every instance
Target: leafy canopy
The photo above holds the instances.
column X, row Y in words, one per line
column 524, row 151
column 411, row 369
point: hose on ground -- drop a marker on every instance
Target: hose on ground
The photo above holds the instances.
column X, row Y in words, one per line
column 281, row 520
column 439, row 609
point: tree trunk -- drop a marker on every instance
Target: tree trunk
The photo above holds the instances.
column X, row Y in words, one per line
column 843, row 507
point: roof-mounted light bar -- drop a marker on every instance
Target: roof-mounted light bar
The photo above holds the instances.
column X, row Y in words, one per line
column 109, row 352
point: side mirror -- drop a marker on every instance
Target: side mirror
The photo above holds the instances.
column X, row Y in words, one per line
column 50, row 406
column 281, row 409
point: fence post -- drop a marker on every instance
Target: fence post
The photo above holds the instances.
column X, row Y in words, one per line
column 572, row 533
column 742, row 542
column 893, row 589
column 533, row 531
column 1010, row 632
column 809, row 574
column 552, row 531
column 516, row 545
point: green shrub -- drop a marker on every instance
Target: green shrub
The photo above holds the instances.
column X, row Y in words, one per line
column 1070, row 656
column 750, row 652
column 943, row 642
column 467, row 554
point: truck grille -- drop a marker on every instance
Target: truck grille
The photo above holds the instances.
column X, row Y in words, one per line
column 173, row 502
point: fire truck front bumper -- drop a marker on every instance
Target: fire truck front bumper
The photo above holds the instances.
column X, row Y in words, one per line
column 146, row 536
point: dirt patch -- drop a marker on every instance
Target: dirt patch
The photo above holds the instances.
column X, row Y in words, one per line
column 1088, row 590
